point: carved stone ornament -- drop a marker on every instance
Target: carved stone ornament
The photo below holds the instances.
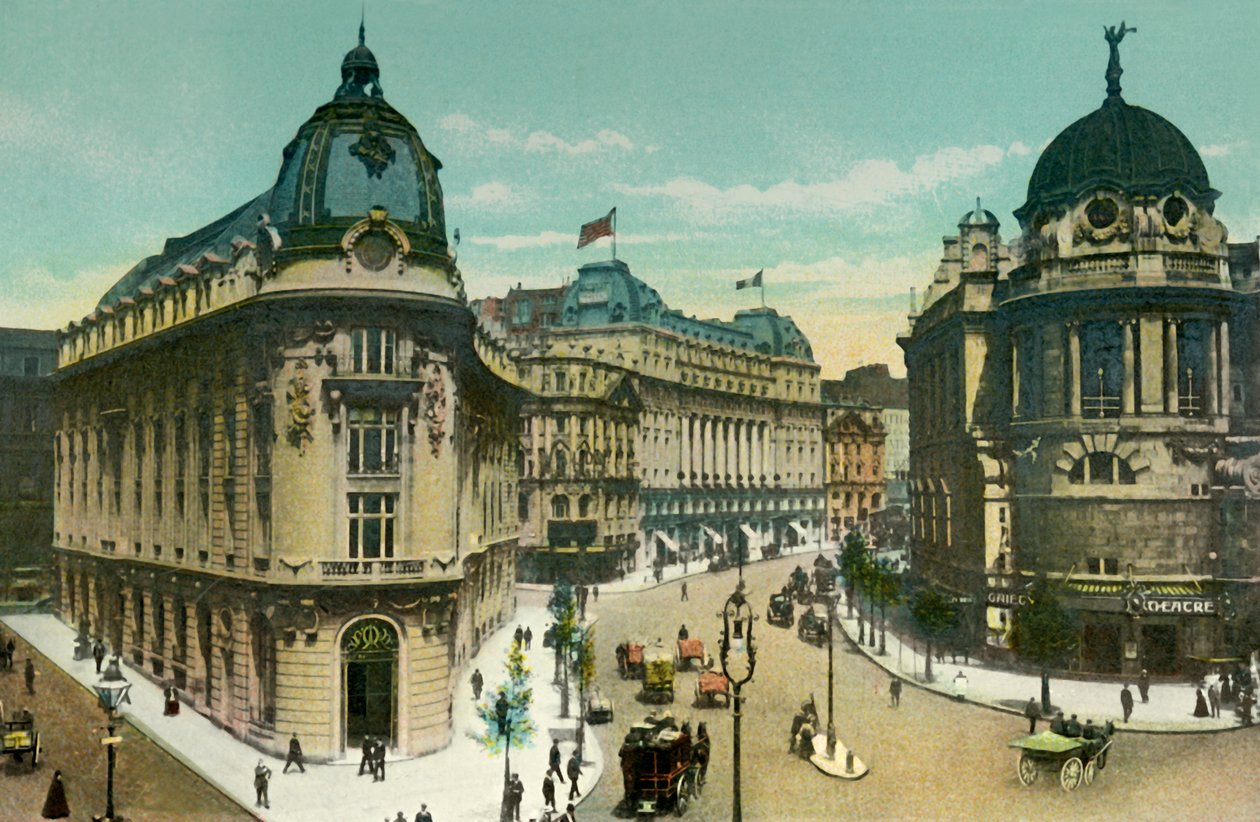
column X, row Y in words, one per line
column 1183, row 451
column 298, row 430
column 374, row 243
column 1102, row 221
column 433, row 395
column 372, row 148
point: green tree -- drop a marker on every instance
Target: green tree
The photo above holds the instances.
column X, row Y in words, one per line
column 585, row 666
column 886, row 590
column 854, row 557
column 563, row 608
column 934, row 614
column 1045, row 632
column 519, row 729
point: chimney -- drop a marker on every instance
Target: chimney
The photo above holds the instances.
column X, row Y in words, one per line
column 914, row 308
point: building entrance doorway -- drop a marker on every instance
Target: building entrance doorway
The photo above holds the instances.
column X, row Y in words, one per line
column 369, row 673
column 1100, row 650
column 1159, row 649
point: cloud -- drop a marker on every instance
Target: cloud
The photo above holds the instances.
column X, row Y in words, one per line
column 477, row 135
column 1018, row 149
column 1218, row 150
column 515, row 242
column 868, row 184
column 544, row 141
column 486, row 197
column 37, row 298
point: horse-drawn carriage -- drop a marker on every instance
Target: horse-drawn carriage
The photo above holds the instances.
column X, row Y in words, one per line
column 781, row 611
column 21, row 738
column 813, row 627
column 799, row 584
column 824, row 578
column 662, row 768
column 1074, row 758
column 686, row 651
column 658, row 675
column 630, row 660
column 710, row 687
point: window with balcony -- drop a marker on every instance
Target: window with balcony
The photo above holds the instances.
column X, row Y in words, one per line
column 373, row 350
column 1193, row 370
column 373, row 441
column 371, row 525
column 1102, row 368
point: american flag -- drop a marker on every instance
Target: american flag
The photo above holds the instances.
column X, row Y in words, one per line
column 592, row 231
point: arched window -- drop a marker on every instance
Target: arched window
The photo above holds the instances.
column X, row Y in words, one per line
column 1101, row 468
column 561, row 463
column 559, row 507
column 584, row 506
column 979, row 257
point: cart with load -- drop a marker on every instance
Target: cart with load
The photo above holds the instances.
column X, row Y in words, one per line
column 21, row 738
column 1073, row 758
column 780, row 611
column 710, row 687
column 659, row 767
column 686, row 651
column 630, row 660
column 824, row 577
column 799, row 582
column 658, row 675
column 813, row 625
column 599, row 708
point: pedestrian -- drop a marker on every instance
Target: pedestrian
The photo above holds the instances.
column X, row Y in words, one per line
column 960, row 686
column 1032, row 712
column 1058, row 725
column 9, row 648
column 529, row 637
column 1073, row 727
column 1200, row 704
column 368, row 761
column 295, row 755
column 399, row 818
column 98, row 653
column 378, row 768
column 570, row 813
column 518, row 794
column 262, row 776
column 575, row 770
column 582, row 593
column 553, row 760
column 549, row 790
column 1144, row 686
column 1214, row 700
column 477, row 682
column 424, row 815
column 596, row 592
column 1126, row 701
column 30, row 676
column 682, row 631
column 684, row 591
column 172, row 700
column 55, row 805
column 805, row 741
column 1227, row 690
column 519, row 636
column 894, row 692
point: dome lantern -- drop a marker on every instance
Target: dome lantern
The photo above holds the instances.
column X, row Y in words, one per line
column 359, row 71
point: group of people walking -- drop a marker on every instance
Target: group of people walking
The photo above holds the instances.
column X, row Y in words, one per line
column 373, row 759
column 1228, row 689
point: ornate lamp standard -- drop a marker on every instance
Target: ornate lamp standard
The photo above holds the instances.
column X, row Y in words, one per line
column 739, row 658
column 112, row 690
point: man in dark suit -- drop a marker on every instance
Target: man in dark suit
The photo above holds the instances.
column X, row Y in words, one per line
column 368, row 761
column 98, row 654
column 553, row 760
column 378, row 768
column 295, row 755
column 1126, row 701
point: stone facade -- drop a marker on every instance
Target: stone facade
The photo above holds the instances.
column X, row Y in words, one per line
column 1083, row 401
column 855, row 478
column 284, row 475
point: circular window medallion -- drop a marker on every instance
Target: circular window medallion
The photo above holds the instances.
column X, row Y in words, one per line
column 1175, row 210
column 374, row 252
column 1102, row 212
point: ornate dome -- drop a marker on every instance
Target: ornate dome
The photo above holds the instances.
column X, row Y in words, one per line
column 357, row 153
column 980, row 217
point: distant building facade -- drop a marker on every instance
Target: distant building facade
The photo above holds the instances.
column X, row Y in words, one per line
column 285, row 478
column 27, row 358
column 1085, row 402
column 856, row 483
column 873, row 385
column 652, row 438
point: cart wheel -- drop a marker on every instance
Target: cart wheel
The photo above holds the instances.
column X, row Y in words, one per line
column 1091, row 770
column 697, row 784
column 1027, row 769
column 1101, row 759
column 671, row 694
column 791, row 619
column 1070, row 775
column 681, row 794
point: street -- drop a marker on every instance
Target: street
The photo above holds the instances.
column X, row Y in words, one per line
column 149, row 785
column 930, row 758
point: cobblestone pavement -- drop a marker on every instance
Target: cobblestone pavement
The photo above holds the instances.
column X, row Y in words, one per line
column 932, row 758
column 149, row 786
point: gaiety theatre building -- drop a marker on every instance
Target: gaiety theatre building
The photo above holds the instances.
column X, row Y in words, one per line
column 285, row 468
column 1085, row 401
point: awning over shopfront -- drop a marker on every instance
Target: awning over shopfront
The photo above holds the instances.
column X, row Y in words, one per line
column 754, row 539
column 798, row 528
column 1152, row 598
column 669, row 541
column 717, row 538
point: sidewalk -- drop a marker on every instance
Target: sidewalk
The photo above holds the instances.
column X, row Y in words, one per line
column 1170, row 710
column 642, row 579
column 459, row 782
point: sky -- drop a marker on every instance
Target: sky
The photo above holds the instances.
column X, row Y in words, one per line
column 832, row 144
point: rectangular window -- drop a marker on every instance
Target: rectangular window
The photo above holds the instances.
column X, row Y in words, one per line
column 373, row 350
column 137, row 451
column 371, row 526
column 1111, row 565
column 1094, row 564
column 159, row 457
column 373, row 441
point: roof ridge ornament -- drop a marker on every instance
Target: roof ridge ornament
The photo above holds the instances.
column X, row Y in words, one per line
column 1113, row 35
column 360, row 74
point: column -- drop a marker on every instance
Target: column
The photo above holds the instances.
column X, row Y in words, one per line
column 757, row 445
column 745, row 452
column 1227, row 391
column 732, row 461
column 706, row 472
column 697, row 450
column 1127, row 394
column 1014, row 377
column 684, row 449
column 1074, row 368
column 1171, row 380
column 1211, row 396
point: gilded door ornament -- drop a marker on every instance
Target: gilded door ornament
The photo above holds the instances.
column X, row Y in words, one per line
column 434, row 395
column 298, row 431
column 371, row 638
column 373, row 149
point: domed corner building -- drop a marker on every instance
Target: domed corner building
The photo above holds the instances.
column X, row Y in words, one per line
column 1085, row 400
column 282, row 463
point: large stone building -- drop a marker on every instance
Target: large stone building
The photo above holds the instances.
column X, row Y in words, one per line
column 856, row 484
column 285, row 479
column 1085, row 402
column 27, row 358
column 651, row 437
column 873, row 385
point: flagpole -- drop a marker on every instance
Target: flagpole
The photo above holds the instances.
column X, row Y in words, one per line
column 762, row 289
column 614, row 215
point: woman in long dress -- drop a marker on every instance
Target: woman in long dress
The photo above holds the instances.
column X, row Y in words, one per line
column 1200, row 704
column 55, row 805
column 172, row 701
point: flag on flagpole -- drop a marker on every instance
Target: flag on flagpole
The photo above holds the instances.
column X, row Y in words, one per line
column 750, row 282
column 592, row 231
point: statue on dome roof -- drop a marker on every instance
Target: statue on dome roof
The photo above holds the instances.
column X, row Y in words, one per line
column 1113, row 35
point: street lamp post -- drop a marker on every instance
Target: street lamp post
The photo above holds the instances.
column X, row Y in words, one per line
column 739, row 658
column 505, row 731
column 831, row 670
column 112, row 690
